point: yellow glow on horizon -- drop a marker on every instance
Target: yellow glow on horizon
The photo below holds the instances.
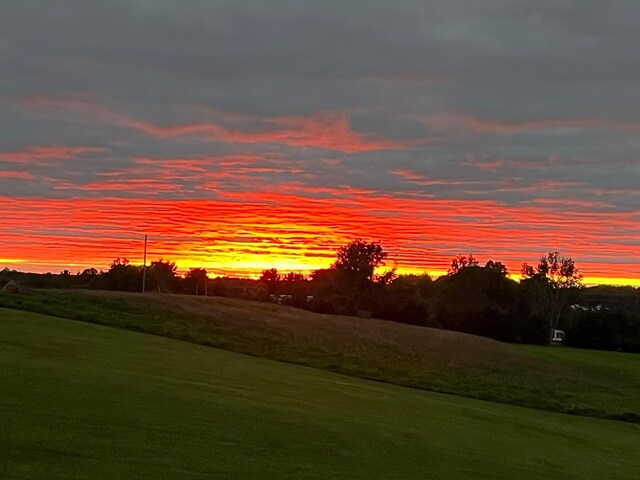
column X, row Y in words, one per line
column 251, row 266
column 12, row 260
column 433, row 273
column 618, row 282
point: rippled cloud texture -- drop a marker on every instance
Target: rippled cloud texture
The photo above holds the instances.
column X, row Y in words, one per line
column 242, row 135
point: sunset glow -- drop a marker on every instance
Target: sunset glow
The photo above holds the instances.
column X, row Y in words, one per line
column 237, row 148
column 301, row 233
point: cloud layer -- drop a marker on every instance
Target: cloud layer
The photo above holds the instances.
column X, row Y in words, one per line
column 242, row 135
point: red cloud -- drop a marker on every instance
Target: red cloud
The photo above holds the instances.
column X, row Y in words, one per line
column 44, row 154
column 498, row 164
column 417, row 179
column 330, row 130
column 16, row 175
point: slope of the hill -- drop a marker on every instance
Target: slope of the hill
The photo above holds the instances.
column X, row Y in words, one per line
column 84, row 401
column 540, row 377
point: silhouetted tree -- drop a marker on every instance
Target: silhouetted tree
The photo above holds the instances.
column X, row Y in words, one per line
column 460, row 262
column 271, row 279
column 324, row 289
column 351, row 285
column 359, row 259
column 296, row 285
column 163, row 275
column 480, row 301
column 89, row 272
column 405, row 299
column 498, row 267
column 122, row 276
column 385, row 278
column 293, row 277
column 87, row 278
column 197, row 279
column 549, row 284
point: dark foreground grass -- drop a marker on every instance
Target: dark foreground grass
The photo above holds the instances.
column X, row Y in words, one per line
column 598, row 384
column 81, row 401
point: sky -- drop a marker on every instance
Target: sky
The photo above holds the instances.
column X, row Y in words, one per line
column 244, row 135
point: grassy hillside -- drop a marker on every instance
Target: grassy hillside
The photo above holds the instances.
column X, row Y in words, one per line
column 601, row 384
column 84, row 401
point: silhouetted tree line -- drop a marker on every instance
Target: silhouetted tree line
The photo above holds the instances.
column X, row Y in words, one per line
column 471, row 298
column 160, row 276
column 475, row 299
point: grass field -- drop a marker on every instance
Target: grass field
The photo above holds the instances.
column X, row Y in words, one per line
column 589, row 383
column 85, row 401
column 583, row 382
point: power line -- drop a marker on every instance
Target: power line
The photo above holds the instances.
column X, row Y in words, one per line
column 144, row 265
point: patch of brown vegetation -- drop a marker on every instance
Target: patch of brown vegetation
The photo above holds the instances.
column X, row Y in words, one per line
column 373, row 342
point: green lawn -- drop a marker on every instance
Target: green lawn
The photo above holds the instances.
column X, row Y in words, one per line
column 583, row 382
column 85, row 401
column 607, row 379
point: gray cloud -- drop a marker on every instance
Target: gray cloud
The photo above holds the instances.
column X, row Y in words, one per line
column 428, row 85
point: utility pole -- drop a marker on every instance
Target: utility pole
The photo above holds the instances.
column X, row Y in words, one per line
column 144, row 265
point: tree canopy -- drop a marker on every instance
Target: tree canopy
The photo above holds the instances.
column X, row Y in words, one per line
column 360, row 258
column 460, row 262
column 547, row 285
column 557, row 271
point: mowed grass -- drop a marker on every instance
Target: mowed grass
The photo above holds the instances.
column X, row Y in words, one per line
column 582, row 382
column 85, row 401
